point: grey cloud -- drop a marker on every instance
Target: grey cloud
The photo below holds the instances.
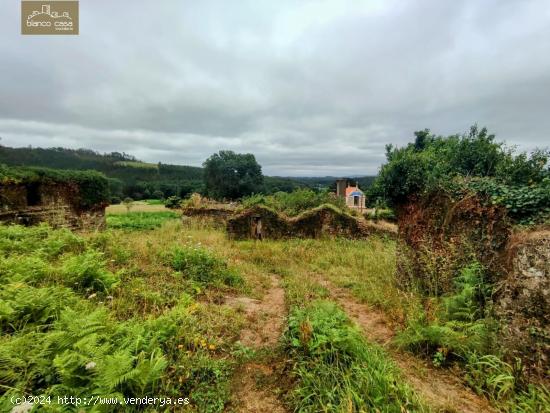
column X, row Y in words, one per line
column 312, row 88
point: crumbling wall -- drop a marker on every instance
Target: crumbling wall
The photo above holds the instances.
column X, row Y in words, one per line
column 316, row 223
column 217, row 214
column 274, row 225
column 523, row 299
column 327, row 221
column 438, row 236
column 12, row 197
column 53, row 203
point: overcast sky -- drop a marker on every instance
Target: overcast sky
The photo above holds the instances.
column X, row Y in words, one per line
column 310, row 87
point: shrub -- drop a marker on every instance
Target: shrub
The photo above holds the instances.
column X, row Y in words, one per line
column 435, row 163
column 128, row 203
column 87, row 271
column 173, row 202
column 463, row 324
column 158, row 194
column 202, row 266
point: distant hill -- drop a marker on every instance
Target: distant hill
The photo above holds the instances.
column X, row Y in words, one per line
column 131, row 177
column 128, row 176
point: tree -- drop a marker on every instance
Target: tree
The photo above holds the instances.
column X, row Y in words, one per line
column 232, row 175
column 128, row 202
column 434, row 163
column 158, row 194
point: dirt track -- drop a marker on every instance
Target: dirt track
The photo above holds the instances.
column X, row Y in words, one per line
column 265, row 325
column 442, row 390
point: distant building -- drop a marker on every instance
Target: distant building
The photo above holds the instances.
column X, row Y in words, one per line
column 355, row 198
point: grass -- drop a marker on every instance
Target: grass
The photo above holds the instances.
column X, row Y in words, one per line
column 135, row 220
column 97, row 315
column 136, row 206
column 145, row 308
column 337, row 370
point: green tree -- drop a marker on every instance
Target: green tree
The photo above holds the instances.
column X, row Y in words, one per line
column 232, row 175
column 473, row 160
column 158, row 194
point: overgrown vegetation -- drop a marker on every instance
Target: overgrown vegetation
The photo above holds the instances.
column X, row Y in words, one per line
column 202, row 266
column 65, row 331
column 337, row 370
column 90, row 188
column 474, row 162
column 296, row 202
column 462, row 329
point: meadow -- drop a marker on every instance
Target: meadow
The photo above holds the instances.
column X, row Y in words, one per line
column 152, row 307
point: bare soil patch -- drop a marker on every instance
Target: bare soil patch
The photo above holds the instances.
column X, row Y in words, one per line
column 253, row 388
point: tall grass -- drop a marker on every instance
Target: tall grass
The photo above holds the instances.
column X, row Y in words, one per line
column 337, row 370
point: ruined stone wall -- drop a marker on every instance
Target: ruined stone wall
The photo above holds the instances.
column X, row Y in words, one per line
column 324, row 221
column 12, row 197
column 523, row 299
column 52, row 203
column 438, row 236
column 274, row 225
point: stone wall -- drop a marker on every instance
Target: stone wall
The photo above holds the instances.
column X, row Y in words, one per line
column 30, row 204
column 523, row 299
column 439, row 236
column 324, row 221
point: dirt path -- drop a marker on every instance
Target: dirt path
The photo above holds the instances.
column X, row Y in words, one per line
column 442, row 390
column 265, row 325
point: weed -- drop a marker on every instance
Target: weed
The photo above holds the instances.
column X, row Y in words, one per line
column 202, row 266
column 337, row 370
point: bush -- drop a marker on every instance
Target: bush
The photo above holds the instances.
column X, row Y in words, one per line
column 173, row 202
column 87, row 271
column 473, row 161
column 462, row 326
column 158, row 194
column 203, row 267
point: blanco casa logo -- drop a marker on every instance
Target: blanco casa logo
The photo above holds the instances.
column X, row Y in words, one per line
column 54, row 17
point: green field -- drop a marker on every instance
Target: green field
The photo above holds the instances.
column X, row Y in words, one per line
column 151, row 308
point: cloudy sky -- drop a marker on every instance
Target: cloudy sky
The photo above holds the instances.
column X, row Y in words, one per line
column 310, row 87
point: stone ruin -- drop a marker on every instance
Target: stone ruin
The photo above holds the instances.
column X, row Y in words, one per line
column 524, row 298
column 55, row 202
column 325, row 220
column 438, row 236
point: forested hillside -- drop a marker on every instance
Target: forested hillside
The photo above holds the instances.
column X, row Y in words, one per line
column 130, row 177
